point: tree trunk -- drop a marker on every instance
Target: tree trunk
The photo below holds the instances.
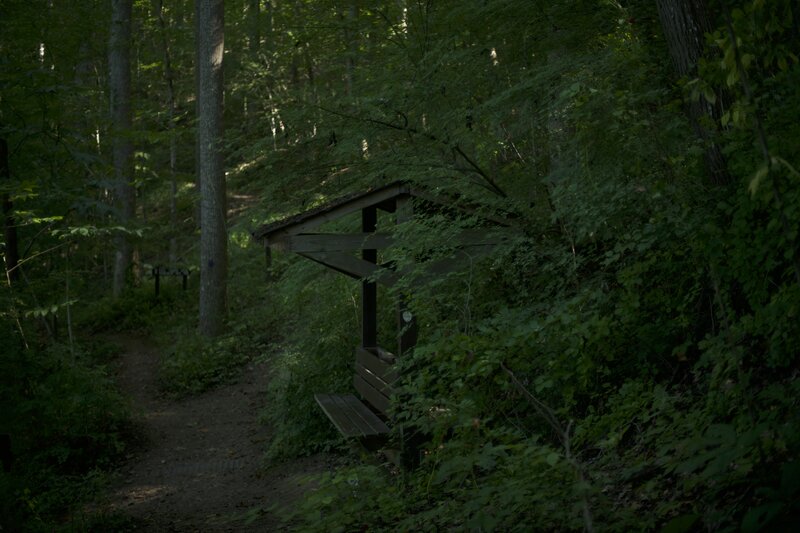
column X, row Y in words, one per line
column 351, row 41
column 119, row 76
column 685, row 23
column 11, row 253
column 254, row 26
column 213, row 235
column 173, row 140
column 269, row 11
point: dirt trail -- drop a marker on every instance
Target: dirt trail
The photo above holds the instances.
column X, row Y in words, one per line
column 200, row 467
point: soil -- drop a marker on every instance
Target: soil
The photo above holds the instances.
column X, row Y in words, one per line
column 200, row 467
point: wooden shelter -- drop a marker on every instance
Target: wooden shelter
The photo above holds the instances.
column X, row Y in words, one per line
column 356, row 255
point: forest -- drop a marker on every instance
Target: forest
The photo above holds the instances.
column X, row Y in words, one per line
column 622, row 356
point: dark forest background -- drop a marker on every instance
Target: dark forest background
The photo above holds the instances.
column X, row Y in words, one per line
column 627, row 360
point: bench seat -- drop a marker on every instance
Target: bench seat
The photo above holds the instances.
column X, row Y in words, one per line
column 350, row 416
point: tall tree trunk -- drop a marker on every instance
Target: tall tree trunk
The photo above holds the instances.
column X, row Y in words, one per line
column 269, row 12
column 254, row 26
column 173, row 140
column 213, row 235
column 685, row 23
column 351, row 41
column 119, row 77
column 11, row 253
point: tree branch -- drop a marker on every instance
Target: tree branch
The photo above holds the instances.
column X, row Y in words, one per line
column 563, row 437
column 491, row 184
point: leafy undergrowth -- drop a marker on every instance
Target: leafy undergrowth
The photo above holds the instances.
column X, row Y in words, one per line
column 193, row 364
column 68, row 425
column 319, row 335
column 138, row 310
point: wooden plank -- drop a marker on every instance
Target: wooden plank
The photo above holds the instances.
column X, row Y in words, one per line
column 333, row 242
column 375, row 365
column 346, row 264
column 337, row 211
column 350, row 416
column 384, row 355
column 476, row 245
column 170, row 271
column 352, row 266
column 362, row 416
column 348, row 405
column 378, row 383
column 373, row 396
column 332, row 409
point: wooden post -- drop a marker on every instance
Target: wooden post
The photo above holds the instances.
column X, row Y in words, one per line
column 369, row 290
column 157, row 276
column 11, row 252
column 5, row 451
column 268, row 261
column 406, row 321
column 185, row 276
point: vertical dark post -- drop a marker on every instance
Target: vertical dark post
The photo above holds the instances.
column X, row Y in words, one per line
column 9, row 224
column 185, row 276
column 369, row 290
column 5, row 452
column 407, row 325
column 268, row 259
column 157, row 276
column 406, row 321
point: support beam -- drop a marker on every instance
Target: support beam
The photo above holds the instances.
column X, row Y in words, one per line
column 406, row 321
column 369, row 290
column 270, row 275
column 344, row 242
column 352, row 266
column 310, row 222
column 332, row 242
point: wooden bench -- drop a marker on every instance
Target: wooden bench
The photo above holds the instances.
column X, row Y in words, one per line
column 373, row 379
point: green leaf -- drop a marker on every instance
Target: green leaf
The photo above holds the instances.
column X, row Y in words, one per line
column 790, row 479
column 708, row 94
column 552, row 458
column 732, row 78
column 755, row 181
column 680, row 524
column 758, row 517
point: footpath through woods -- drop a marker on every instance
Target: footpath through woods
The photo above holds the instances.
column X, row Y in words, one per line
column 199, row 468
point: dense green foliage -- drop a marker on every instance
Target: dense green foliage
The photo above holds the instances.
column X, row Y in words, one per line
column 652, row 319
column 627, row 360
column 68, row 424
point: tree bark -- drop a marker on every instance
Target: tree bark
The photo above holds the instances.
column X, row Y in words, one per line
column 213, row 234
column 11, row 252
column 685, row 23
column 254, row 26
column 351, row 41
column 169, row 77
column 119, row 76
